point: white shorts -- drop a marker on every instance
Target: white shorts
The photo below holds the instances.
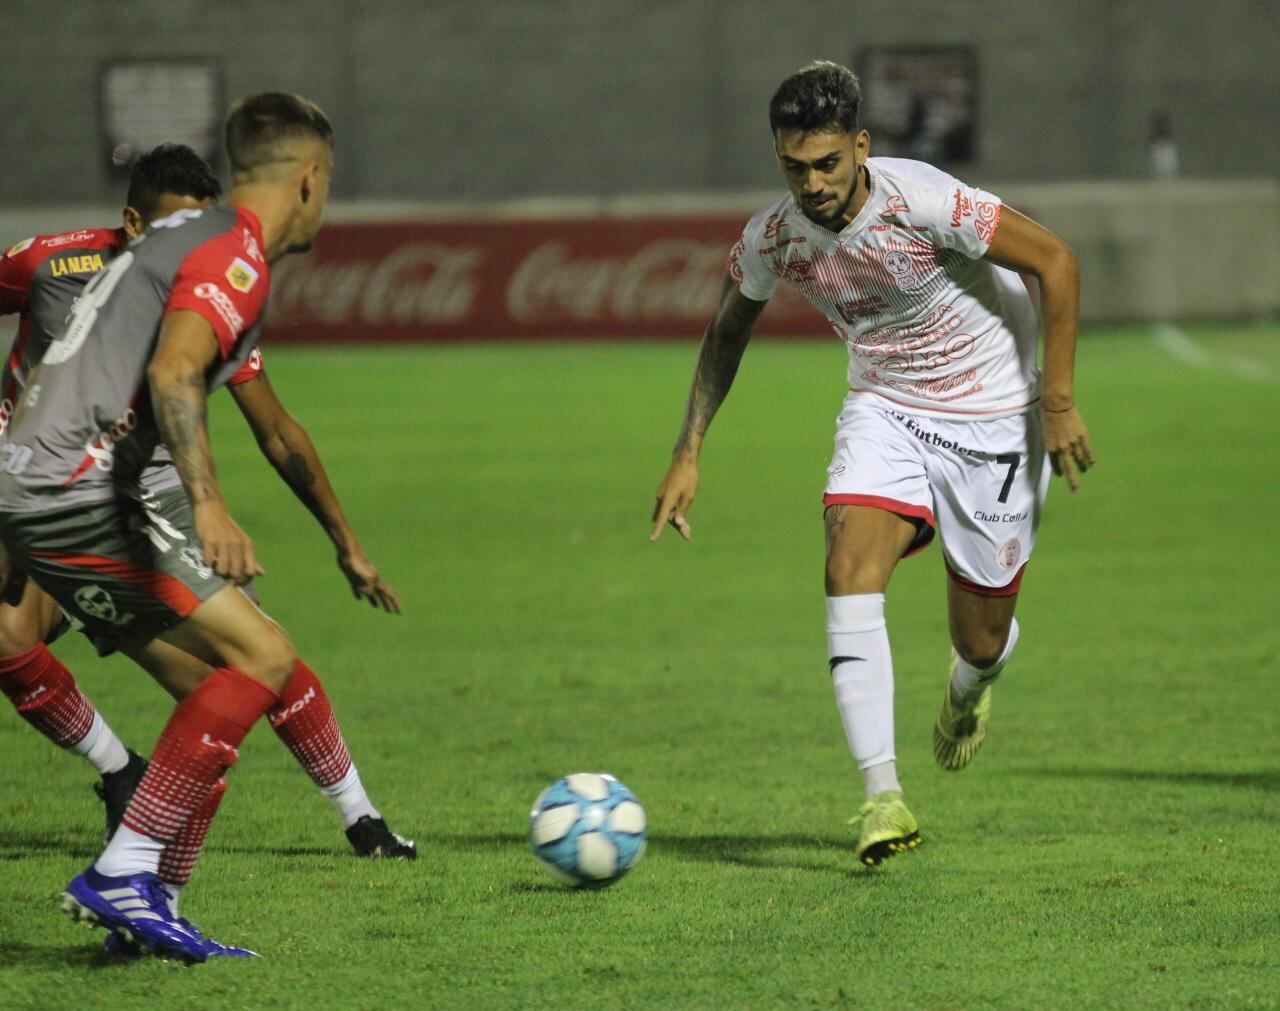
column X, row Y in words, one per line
column 980, row 484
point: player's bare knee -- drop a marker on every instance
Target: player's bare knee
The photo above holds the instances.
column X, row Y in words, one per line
column 848, row 573
column 980, row 648
column 18, row 633
column 271, row 661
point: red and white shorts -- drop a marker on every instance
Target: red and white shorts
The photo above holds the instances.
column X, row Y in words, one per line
column 980, row 484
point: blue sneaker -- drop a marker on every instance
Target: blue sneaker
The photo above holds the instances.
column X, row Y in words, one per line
column 136, row 907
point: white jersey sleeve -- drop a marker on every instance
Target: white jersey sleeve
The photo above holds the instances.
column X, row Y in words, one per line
column 751, row 271
column 966, row 220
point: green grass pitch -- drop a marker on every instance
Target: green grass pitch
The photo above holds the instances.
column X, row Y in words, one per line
column 1113, row 846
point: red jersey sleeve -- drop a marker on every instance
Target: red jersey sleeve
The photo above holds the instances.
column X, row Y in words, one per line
column 222, row 281
column 16, row 269
column 251, row 369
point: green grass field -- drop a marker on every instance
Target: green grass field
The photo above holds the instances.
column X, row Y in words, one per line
column 1112, row 847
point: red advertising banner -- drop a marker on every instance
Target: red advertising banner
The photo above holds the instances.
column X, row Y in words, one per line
column 566, row 278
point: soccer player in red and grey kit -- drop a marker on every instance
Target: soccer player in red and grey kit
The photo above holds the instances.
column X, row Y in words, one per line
column 41, row 278
column 174, row 316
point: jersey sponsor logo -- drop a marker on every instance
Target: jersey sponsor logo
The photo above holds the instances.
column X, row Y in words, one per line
column 773, row 225
column 20, row 247
column 69, row 239
column 252, row 248
column 254, row 364
column 988, row 220
column 241, row 276
column 793, row 240
column 102, row 447
column 895, row 205
column 985, row 517
column 222, row 304
column 95, row 602
column 963, row 208
column 90, row 263
column 871, row 305
column 735, row 262
column 797, row 271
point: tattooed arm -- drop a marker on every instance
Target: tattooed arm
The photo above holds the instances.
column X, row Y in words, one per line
column 722, row 347
column 179, row 396
column 286, row 445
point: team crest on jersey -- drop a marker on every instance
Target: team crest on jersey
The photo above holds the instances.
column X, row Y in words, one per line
column 241, row 276
column 20, row 247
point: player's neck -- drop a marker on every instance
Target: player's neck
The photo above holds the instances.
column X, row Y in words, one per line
column 861, row 191
column 273, row 208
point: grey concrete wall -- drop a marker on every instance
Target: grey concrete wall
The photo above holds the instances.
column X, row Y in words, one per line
column 452, row 99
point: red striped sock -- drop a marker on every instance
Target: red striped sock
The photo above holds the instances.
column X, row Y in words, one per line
column 304, row 721
column 178, row 860
column 197, row 746
column 46, row 696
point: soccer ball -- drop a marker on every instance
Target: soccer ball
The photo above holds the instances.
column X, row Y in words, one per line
column 587, row 829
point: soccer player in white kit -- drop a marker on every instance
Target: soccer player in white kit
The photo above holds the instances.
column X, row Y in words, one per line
column 948, row 423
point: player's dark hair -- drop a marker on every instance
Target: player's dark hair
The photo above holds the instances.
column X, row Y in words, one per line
column 169, row 168
column 817, row 97
column 259, row 127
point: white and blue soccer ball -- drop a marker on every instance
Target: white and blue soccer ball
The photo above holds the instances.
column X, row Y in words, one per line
column 587, row 829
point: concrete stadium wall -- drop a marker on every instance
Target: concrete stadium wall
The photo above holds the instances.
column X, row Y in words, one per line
column 1149, row 251
column 452, row 100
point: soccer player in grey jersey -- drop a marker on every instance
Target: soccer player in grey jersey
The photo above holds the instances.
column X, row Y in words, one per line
column 180, row 312
column 42, row 278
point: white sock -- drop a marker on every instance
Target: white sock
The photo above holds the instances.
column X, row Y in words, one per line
column 129, row 852
column 175, row 893
column 102, row 747
column 862, row 672
column 967, row 681
column 349, row 798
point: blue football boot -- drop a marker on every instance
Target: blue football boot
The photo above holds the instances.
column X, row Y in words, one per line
column 136, row 907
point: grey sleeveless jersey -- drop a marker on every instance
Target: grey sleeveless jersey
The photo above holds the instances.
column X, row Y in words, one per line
column 84, row 430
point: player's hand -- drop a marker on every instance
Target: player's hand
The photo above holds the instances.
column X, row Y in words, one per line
column 675, row 496
column 227, row 549
column 365, row 582
column 1067, row 442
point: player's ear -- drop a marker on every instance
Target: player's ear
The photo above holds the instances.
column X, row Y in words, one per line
column 308, row 183
column 132, row 221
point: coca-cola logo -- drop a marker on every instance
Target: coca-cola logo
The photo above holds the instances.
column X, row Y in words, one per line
column 418, row 282
column 664, row 279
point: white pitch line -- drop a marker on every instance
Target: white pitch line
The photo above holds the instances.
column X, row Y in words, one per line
column 1182, row 346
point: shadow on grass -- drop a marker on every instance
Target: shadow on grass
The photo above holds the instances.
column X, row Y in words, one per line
column 22, row 845
column 795, row 851
column 1243, row 780
column 56, row 956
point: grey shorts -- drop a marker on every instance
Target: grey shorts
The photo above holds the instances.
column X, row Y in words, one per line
column 121, row 571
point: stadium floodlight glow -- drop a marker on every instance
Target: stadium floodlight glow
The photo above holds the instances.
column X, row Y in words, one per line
column 145, row 102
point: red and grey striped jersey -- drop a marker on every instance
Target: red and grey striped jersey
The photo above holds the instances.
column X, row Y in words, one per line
column 85, row 431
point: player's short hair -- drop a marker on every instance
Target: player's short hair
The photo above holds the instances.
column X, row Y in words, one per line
column 260, row 127
column 169, row 168
column 817, row 97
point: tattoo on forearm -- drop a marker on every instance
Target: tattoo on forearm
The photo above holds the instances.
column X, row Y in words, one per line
column 297, row 472
column 718, row 361
column 182, row 418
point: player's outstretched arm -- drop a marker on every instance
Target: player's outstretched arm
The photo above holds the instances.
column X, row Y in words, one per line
column 722, row 347
column 1022, row 245
column 288, row 448
column 179, row 395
